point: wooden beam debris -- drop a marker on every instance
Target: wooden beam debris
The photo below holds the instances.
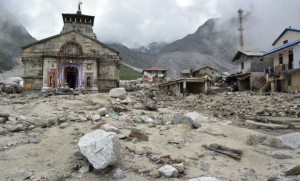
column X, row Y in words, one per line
column 233, row 153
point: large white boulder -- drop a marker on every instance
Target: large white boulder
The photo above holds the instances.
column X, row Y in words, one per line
column 290, row 140
column 168, row 171
column 101, row 148
column 118, row 93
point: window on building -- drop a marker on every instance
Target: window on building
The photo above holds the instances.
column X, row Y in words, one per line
column 280, row 59
column 285, row 41
column 242, row 65
column 289, row 79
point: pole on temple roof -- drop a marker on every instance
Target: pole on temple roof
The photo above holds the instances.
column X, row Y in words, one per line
column 79, row 9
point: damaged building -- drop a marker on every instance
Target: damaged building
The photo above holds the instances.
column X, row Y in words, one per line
column 73, row 58
column 251, row 70
column 285, row 74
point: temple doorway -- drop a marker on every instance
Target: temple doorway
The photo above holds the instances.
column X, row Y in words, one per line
column 71, row 76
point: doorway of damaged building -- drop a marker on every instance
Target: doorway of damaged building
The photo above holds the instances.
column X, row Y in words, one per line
column 244, row 82
column 71, row 76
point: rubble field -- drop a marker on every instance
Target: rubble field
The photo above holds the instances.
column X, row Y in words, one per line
column 148, row 135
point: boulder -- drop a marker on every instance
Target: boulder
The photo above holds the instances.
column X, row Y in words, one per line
column 147, row 119
column 196, row 118
column 126, row 101
column 119, row 108
column 102, row 111
column 118, row 93
column 290, row 140
column 124, row 118
column 150, row 104
column 118, row 173
column 278, row 178
column 193, row 119
column 179, row 167
column 110, row 128
column 4, row 115
column 95, row 117
column 21, row 118
column 168, row 171
column 14, row 128
column 294, row 171
column 8, row 88
column 282, row 155
column 101, row 148
column 2, row 120
column 179, row 119
column 64, row 125
column 204, row 179
column 19, row 174
column 2, row 131
column 136, row 133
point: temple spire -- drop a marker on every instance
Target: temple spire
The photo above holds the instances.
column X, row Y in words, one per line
column 79, row 9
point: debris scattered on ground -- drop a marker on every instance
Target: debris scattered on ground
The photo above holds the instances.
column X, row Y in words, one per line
column 233, row 153
column 294, row 171
column 148, row 135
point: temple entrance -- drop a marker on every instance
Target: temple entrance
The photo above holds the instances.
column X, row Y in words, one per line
column 71, row 76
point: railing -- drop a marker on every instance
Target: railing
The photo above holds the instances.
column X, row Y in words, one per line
column 279, row 69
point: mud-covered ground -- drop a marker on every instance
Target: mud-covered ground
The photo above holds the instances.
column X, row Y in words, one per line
column 39, row 136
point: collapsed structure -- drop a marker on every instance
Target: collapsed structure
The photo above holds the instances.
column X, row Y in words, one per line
column 74, row 57
column 192, row 81
column 250, row 69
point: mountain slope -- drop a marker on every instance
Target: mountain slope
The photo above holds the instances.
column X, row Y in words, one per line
column 13, row 36
column 215, row 38
column 176, row 61
column 133, row 57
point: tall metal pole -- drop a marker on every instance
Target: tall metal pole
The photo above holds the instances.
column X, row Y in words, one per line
column 241, row 28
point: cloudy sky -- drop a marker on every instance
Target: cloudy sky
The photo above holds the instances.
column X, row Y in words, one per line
column 139, row 22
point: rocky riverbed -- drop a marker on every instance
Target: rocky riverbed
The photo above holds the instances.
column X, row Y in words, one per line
column 147, row 135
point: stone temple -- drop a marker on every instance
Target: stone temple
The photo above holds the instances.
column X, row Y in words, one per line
column 73, row 58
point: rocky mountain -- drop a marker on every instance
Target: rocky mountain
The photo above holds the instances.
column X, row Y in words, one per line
column 152, row 48
column 134, row 57
column 213, row 44
column 13, row 36
column 215, row 38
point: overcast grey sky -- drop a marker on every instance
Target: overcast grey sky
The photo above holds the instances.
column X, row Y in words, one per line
column 139, row 22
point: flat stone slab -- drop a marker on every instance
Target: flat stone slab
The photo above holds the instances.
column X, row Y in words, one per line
column 282, row 120
column 259, row 125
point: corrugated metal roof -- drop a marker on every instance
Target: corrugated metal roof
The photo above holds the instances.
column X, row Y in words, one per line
column 281, row 47
column 247, row 53
column 253, row 53
column 204, row 68
column 286, row 30
column 186, row 71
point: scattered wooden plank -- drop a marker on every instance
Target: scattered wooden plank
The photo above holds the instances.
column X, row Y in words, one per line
column 293, row 171
column 233, row 153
